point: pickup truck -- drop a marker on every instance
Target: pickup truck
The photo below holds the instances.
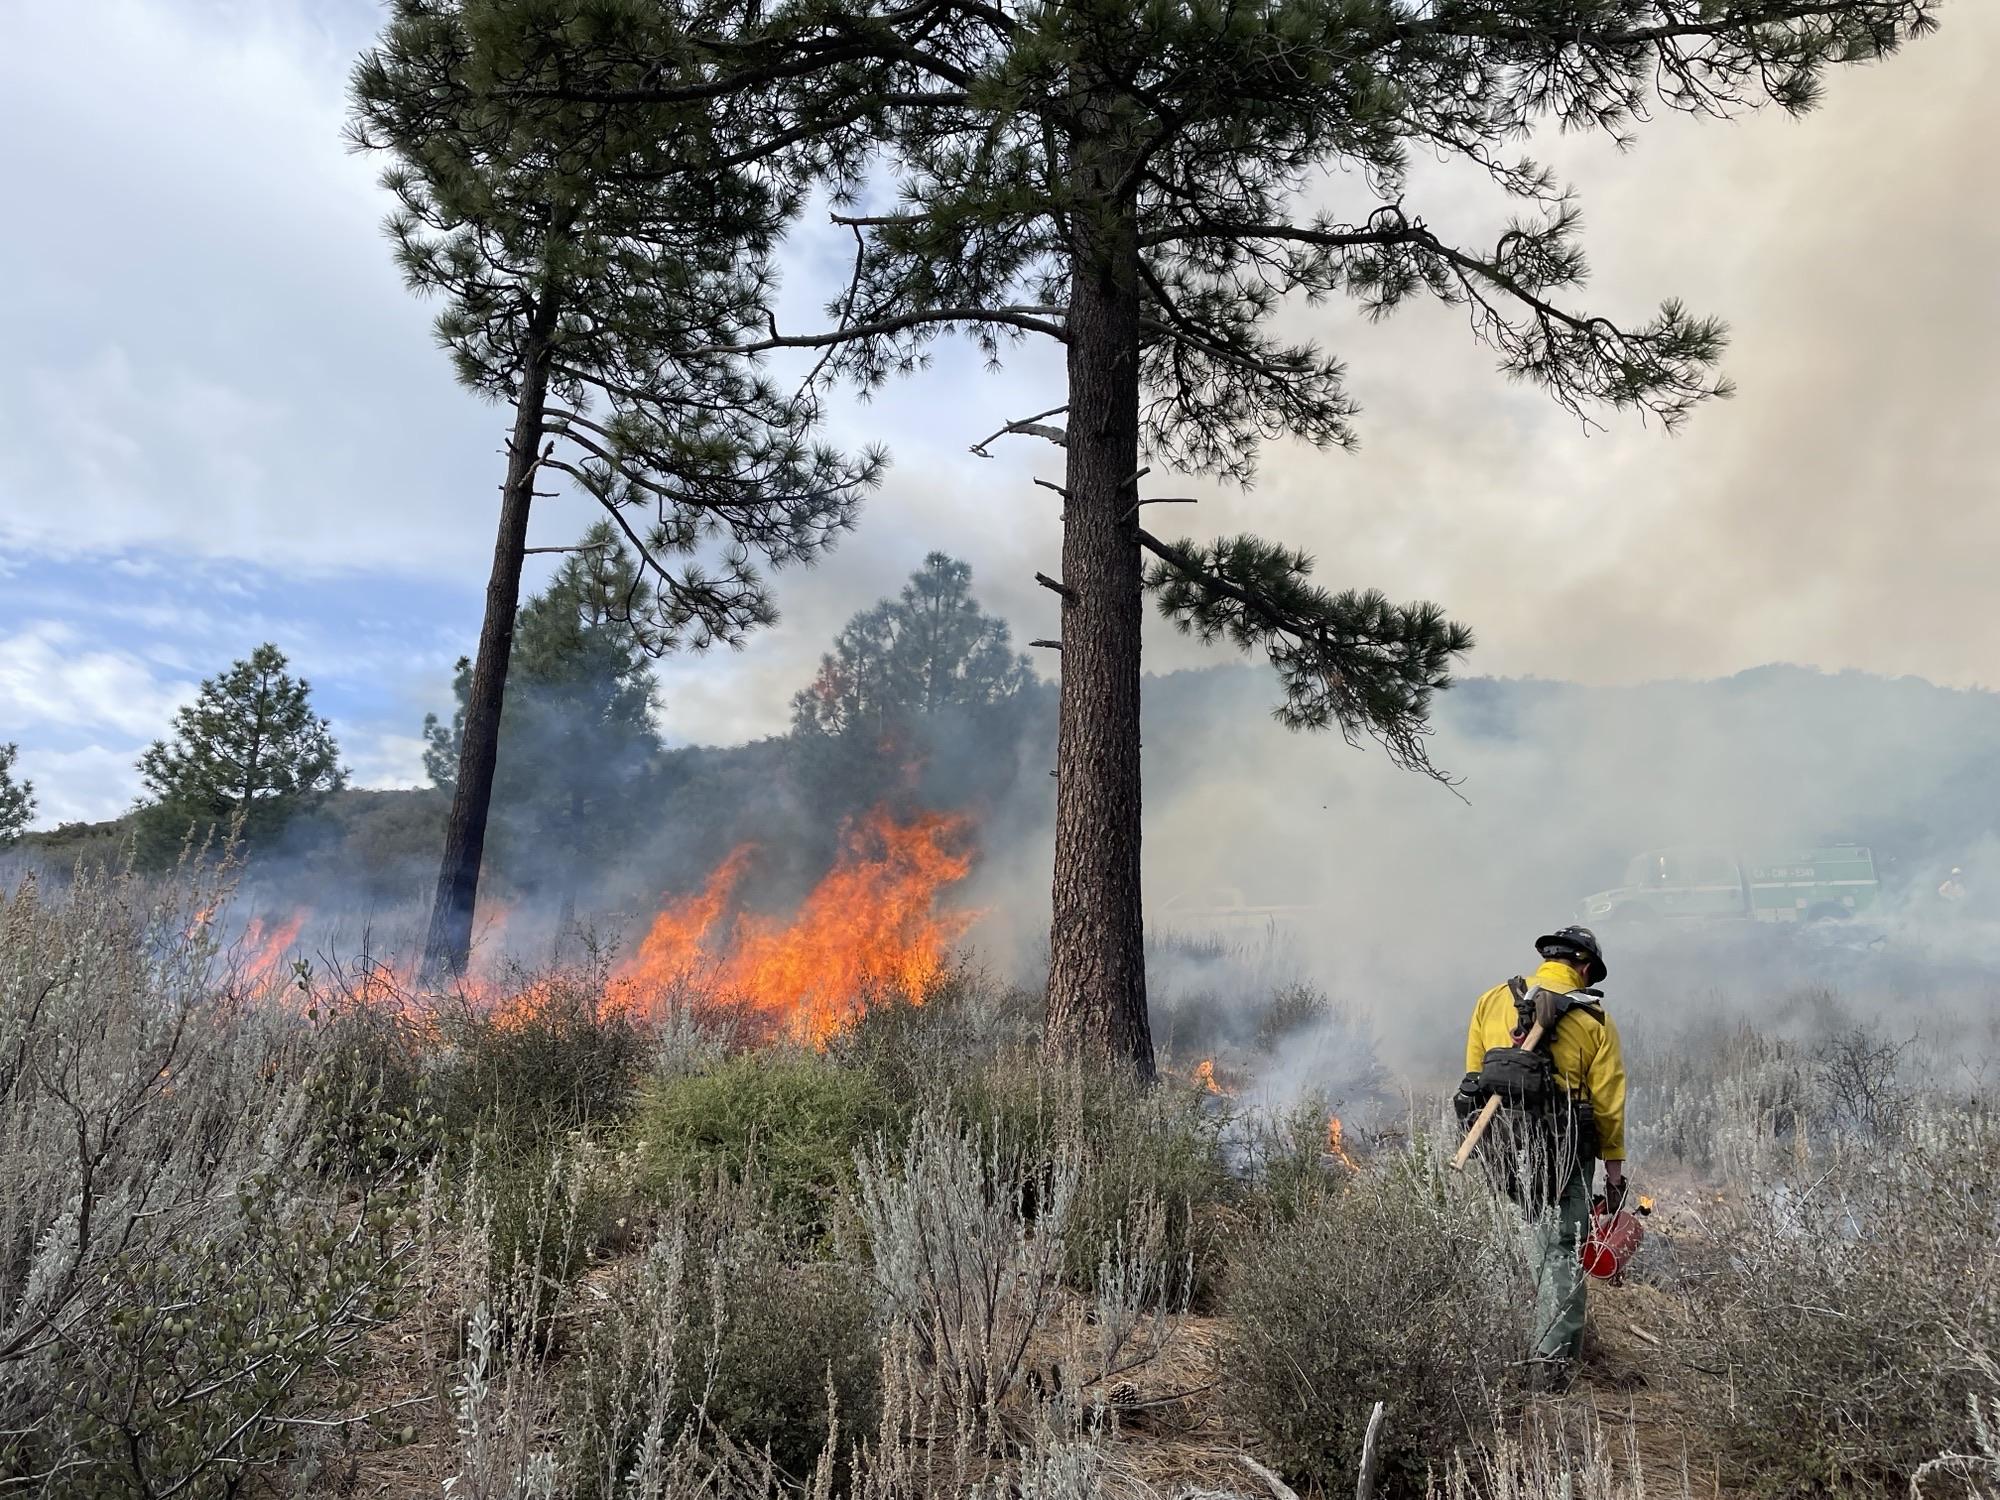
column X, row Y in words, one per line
column 1790, row 885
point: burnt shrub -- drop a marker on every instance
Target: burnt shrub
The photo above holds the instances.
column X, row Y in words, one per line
column 1736, row 1102
column 1397, row 1286
column 1862, row 1083
column 1292, row 1008
column 1210, row 991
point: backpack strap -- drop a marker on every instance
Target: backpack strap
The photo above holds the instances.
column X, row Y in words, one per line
column 1524, row 1007
column 1590, row 1002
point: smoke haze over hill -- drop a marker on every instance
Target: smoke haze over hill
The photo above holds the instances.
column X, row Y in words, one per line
column 175, row 486
column 1398, row 896
column 1420, row 900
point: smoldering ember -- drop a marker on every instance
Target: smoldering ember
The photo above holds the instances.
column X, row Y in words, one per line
column 830, row 751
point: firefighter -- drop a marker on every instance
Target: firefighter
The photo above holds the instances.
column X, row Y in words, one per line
column 1588, row 1067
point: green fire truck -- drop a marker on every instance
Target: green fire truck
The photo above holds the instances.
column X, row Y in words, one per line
column 1790, row 885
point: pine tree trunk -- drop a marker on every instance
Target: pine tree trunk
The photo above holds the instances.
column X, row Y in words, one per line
column 1097, row 972
column 448, row 947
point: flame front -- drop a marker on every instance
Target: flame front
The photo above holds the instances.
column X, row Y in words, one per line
column 1204, row 1074
column 871, row 925
column 267, row 946
column 1335, row 1143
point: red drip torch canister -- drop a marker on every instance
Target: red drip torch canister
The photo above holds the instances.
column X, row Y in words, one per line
column 1614, row 1239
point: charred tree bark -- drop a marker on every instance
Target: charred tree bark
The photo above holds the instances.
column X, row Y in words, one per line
column 1097, row 972
column 448, row 946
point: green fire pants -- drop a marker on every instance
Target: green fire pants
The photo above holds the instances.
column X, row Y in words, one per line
column 1556, row 1242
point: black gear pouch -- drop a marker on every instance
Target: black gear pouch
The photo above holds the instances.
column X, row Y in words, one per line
column 1585, row 1122
column 1471, row 1096
column 1524, row 1080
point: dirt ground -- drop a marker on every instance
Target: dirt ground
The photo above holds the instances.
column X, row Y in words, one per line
column 1173, row 1436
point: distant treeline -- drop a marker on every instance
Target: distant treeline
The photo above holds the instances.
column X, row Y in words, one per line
column 1774, row 755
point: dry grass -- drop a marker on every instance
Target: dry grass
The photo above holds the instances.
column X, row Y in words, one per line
column 1086, row 1217
column 409, row 1363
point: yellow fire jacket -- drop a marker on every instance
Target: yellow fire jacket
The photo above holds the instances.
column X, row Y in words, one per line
column 1587, row 1058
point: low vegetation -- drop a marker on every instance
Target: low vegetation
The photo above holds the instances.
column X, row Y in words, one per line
column 789, row 1122
column 279, row 1234
column 1391, row 1285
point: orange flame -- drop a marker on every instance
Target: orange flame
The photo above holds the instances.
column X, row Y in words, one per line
column 870, row 925
column 267, row 946
column 676, row 946
column 1335, row 1143
column 1204, row 1074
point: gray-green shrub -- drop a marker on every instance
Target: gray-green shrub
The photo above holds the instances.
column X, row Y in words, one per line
column 1399, row 1284
column 1135, row 1148
column 920, row 1053
column 792, row 1120
column 788, row 1333
column 175, row 1265
column 1844, row 1317
column 721, row 1342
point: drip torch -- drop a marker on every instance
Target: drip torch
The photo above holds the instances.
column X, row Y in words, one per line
column 1614, row 1237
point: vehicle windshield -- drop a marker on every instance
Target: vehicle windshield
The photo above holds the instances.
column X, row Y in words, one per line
column 1647, row 869
column 1686, row 867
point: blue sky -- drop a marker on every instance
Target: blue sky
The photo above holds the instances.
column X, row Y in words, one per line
column 227, row 421
column 222, row 419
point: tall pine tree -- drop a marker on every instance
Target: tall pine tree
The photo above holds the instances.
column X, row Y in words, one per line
column 598, row 262
column 1135, row 182
column 249, row 747
column 929, row 650
column 577, row 740
column 923, row 695
column 17, row 798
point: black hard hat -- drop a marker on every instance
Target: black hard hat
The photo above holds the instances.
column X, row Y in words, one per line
column 1575, row 942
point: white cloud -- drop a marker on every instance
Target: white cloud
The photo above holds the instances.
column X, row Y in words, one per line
column 211, row 357
column 86, row 785
column 91, row 412
column 380, row 761
column 210, row 351
column 52, row 682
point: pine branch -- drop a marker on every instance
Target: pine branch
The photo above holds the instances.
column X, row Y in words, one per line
column 1345, row 237
column 1028, row 427
column 1352, row 660
column 1031, row 318
column 1889, row 19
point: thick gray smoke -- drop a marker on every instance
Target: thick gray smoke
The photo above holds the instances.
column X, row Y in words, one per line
column 1403, row 900
column 1275, row 858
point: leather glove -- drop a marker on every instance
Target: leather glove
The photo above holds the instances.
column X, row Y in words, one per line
column 1613, row 1197
column 1547, row 1011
